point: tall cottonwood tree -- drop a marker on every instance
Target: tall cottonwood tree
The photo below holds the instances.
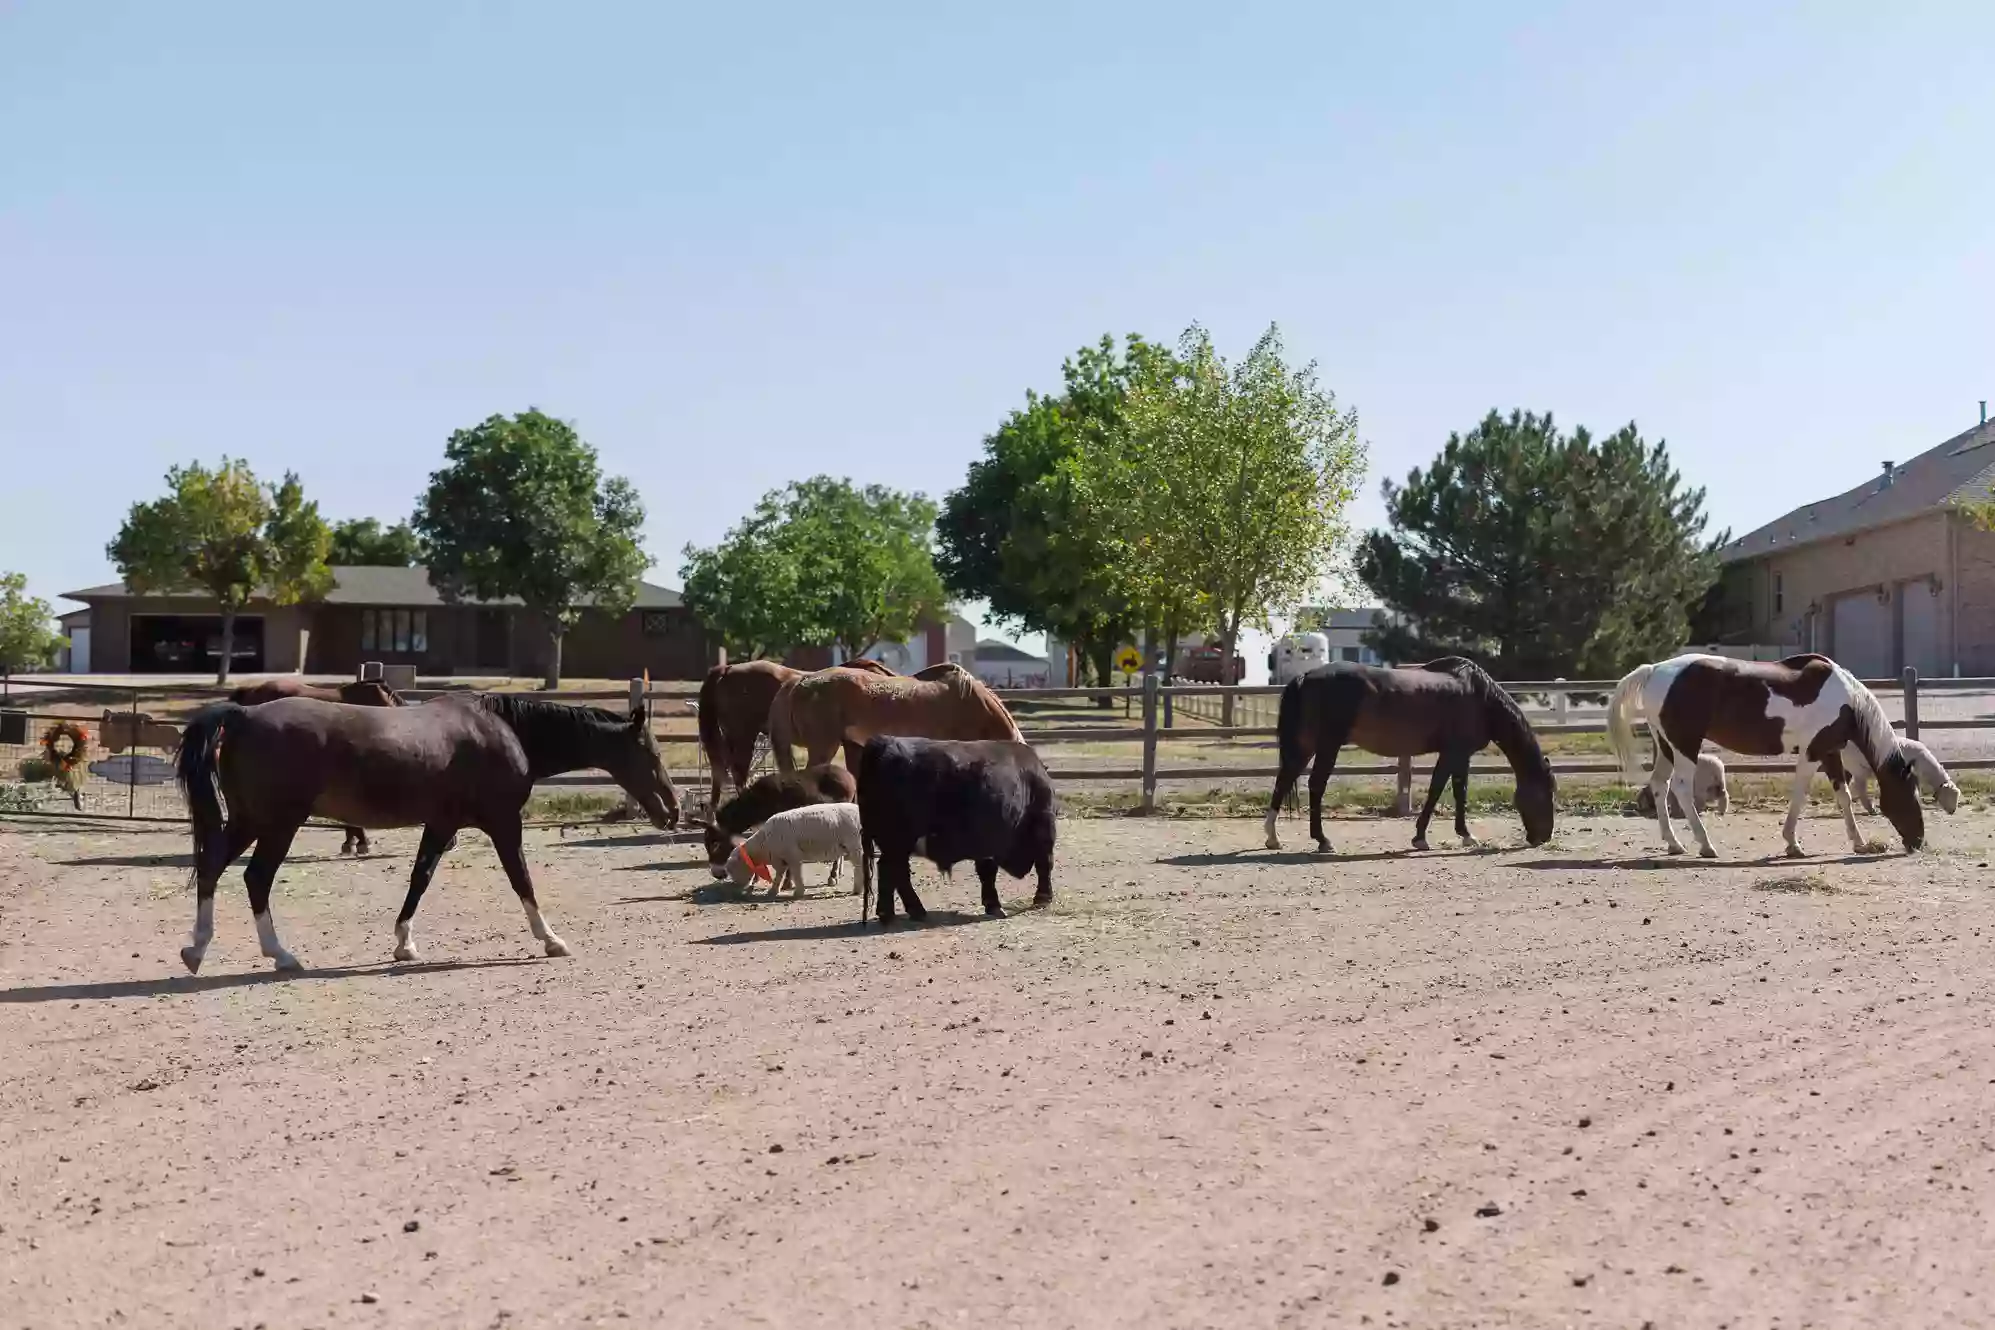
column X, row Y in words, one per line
column 1225, row 493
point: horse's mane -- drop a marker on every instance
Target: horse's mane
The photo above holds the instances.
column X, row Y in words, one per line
column 1508, row 727
column 1877, row 741
column 541, row 717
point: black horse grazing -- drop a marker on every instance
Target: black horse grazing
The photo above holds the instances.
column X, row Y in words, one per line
column 777, row 792
column 468, row 760
column 1448, row 707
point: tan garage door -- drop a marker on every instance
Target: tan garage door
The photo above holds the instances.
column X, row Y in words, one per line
column 1863, row 635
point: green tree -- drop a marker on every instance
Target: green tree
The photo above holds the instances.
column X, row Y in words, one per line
column 27, row 641
column 1542, row 554
column 1227, row 489
column 820, row 563
column 1014, row 535
column 222, row 533
column 363, row 542
column 521, row 508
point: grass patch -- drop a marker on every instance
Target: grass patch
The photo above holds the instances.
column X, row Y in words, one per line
column 570, row 805
column 1799, row 884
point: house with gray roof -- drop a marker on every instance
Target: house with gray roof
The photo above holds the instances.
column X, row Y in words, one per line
column 1886, row 574
column 394, row 616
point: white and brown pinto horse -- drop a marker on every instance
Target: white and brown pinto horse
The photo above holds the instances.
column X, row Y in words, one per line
column 1807, row 707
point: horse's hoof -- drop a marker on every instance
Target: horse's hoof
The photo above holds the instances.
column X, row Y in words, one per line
column 554, row 946
column 284, row 960
column 1323, row 847
column 1420, row 843
column 1042, row 898
column 406, row 954
column 1471, row 843
column 1706, row 852
column 191, row 959
column 1796, row 852
column 1676, row 849
column 1274, row 842
column 995, row 912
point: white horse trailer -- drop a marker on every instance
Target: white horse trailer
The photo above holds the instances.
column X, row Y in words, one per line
column 1298, row 654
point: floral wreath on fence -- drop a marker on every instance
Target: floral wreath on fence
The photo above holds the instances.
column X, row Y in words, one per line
column 65, row 744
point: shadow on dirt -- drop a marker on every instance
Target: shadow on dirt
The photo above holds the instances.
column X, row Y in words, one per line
column 170, row 985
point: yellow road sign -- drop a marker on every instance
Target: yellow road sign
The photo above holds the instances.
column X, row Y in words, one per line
column 1129, row 661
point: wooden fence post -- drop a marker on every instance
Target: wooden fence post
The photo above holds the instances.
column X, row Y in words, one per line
column 1150, row 689
column 1402, row 799
column 1911, row 677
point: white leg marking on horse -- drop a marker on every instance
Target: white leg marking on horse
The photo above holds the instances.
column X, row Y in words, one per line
column 1659, row 789
column 196, row 949
column 405, row 941
column 1849, row 816
column 1804, row 775
column 266, row 937
column 549, row 943
column 1683, row 781
column 1274, row 841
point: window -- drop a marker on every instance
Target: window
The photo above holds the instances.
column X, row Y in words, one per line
column 1778, row 593
column 657, row 623
column 397, row 632
column 1350, row 653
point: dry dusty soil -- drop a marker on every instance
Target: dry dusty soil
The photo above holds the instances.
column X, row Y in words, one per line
column 1212, row 1086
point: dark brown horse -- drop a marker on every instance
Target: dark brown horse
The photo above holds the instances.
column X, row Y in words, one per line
column 467, row 760
column 734, row 713
column 359, row 693
column 1448, row 707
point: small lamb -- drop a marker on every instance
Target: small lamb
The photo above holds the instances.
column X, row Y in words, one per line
column 1708, row 786
column 777, row 850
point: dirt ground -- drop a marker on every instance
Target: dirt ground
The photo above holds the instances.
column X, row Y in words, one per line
column 1212, row 1086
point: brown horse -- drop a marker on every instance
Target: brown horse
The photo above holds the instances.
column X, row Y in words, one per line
column 358, row 693
column 467, row 760
column 843, row 707
column 734, row 713
column 1448, row 707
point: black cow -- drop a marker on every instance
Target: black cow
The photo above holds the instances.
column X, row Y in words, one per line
column 986, row 800
column 766, row 796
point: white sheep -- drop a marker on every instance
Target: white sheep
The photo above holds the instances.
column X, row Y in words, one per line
column 777, row 850
column 1932, row 777
column 1708, row 786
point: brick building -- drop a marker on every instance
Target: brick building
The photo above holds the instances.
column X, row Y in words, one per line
column 1887, row 574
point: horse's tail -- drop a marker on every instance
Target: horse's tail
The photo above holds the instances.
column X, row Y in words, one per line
column 1622, row 710
column 713, row 737
column 1288, row 726
column 781, row 726
column 196, row 767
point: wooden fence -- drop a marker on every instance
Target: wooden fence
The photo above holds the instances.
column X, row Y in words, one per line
column 1151, row 713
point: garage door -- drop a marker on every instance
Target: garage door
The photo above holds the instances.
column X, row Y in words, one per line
column 192, row 643
column 1921, row 615
column 1863, row 635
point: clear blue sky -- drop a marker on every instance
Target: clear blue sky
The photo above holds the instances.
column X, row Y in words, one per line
column 742, row 244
